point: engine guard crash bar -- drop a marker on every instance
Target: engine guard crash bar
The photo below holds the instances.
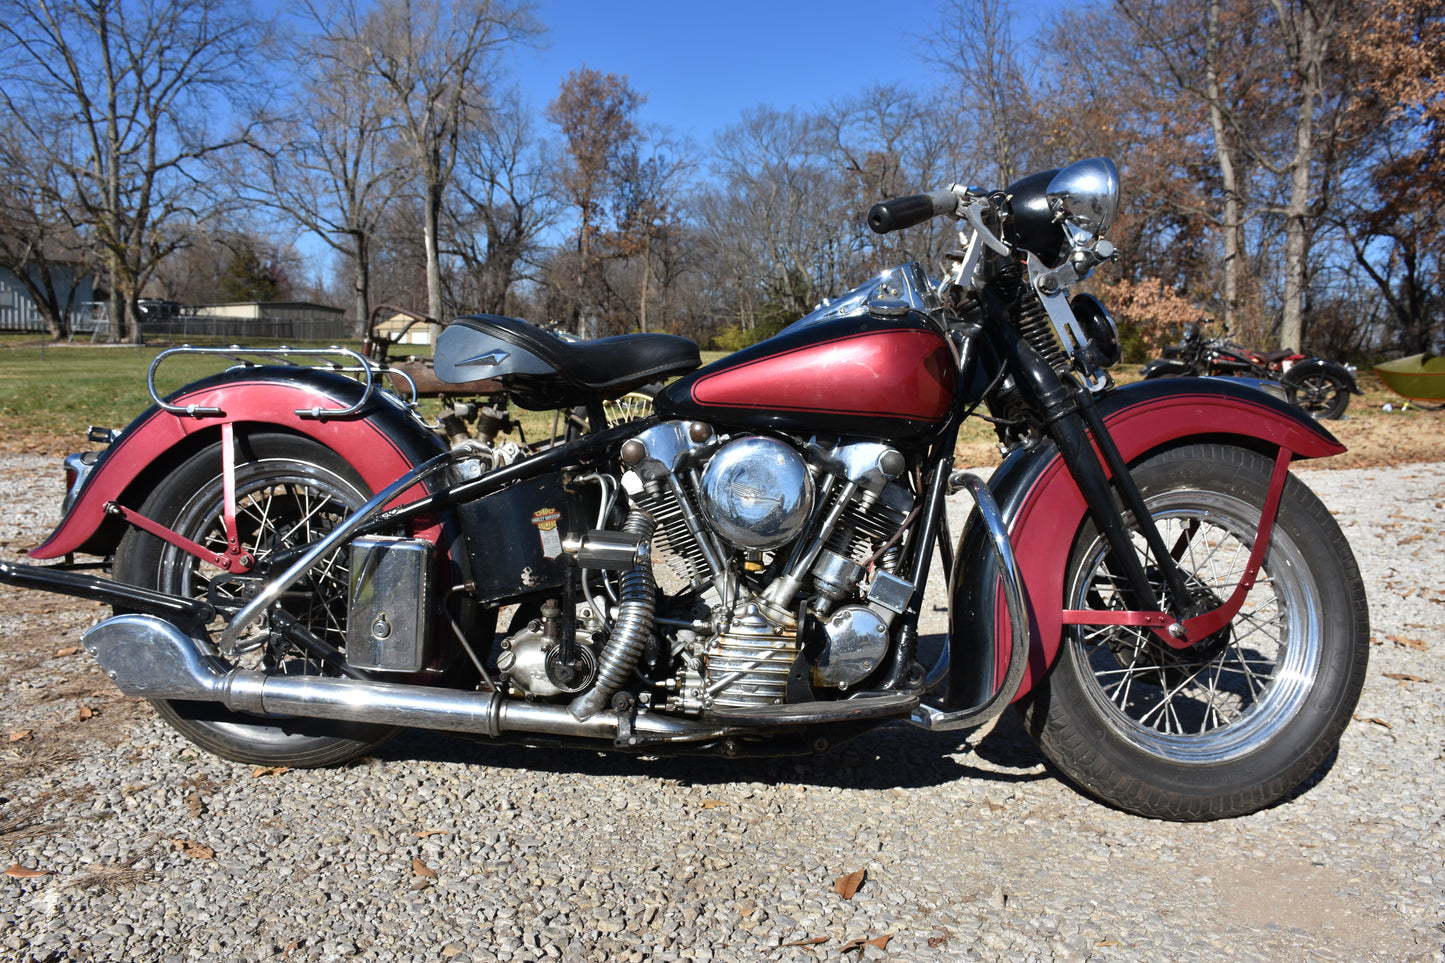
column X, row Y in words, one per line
column 1012, row 584
column 1185, row 633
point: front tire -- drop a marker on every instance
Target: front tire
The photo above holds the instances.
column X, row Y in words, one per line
column 1242, row 719
column 289, row 491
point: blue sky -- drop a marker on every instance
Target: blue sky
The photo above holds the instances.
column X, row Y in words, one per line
column 701, row 65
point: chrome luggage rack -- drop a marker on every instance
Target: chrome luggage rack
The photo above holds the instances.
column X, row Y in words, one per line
column 364, row 369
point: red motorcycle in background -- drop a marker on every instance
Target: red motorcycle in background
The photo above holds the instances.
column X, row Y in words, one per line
column 300, row 563
column 1320, row 387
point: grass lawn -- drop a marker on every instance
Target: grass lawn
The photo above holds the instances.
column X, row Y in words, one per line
column 50, row 394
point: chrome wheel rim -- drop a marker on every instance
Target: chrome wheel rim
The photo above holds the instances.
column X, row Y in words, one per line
column 278, row 508
column 1223, row 700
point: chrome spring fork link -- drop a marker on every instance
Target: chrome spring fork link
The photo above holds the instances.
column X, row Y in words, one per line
column 1036, row 329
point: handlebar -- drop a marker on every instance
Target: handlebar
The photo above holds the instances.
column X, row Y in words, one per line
column 899, row 212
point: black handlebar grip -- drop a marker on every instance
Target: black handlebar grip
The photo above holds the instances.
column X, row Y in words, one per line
column 901, row 212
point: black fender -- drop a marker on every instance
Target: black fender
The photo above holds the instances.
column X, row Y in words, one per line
column 1044, row 509
column 1309, row 366
column 381, row 440
column 1166, row 368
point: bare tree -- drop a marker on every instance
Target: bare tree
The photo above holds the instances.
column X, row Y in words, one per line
column 331, row 165
column 502, row 207
column 1262, row 72
column 115, row 96
column 597, row 116
column 975, row 50
column 772, row 222
column 38, row 244
column 436, row 60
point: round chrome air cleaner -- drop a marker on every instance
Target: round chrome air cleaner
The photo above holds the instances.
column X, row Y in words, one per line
column 757, row 493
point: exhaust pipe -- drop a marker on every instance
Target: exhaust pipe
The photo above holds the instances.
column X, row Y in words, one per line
column 149, row 657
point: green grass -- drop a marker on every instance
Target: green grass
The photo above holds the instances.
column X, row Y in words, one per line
column 50, row 395
column 57, row 391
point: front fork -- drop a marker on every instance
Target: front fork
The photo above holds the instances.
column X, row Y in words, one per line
column 1097, row 467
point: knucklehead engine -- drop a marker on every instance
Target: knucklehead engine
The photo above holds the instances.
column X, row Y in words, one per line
column 781, row 564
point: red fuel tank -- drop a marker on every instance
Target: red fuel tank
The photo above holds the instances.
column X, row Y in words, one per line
column 889, row 379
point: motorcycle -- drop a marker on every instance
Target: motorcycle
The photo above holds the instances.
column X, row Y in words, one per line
column 1320, row 387
column 300, row 564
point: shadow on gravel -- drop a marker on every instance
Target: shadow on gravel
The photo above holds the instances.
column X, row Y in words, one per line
column 897, row 756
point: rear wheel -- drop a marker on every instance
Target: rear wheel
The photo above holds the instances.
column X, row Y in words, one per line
column 1238, row 721
column 289, row 491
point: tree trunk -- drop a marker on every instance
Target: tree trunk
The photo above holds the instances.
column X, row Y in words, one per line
column 361, row 283
column 1226, row 155
column 431, row 215
column 1308, row 34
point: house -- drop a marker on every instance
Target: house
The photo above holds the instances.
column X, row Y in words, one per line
column 19, row 313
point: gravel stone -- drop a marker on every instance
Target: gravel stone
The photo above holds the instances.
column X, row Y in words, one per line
column 973, row 849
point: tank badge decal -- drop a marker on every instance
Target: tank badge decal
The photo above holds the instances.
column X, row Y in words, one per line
column 546, row 520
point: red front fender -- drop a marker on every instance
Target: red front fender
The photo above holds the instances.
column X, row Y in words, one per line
column 381, row 442
column 1044, row 509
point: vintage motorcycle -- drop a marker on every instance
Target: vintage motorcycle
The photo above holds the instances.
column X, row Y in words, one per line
column 300, row 564
column 1318, row 386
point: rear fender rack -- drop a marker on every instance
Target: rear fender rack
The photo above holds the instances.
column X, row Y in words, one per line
column 337, row 359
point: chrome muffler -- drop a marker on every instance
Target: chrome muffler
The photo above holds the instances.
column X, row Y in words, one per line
column 149, row 657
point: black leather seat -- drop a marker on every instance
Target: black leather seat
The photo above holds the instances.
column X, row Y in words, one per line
column 590, row 368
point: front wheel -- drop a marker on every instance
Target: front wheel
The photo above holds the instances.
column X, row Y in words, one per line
column 289, row 491
column 1241, row 719
column 1323, row 394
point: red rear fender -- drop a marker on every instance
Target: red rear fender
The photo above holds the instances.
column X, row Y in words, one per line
column 381, row 442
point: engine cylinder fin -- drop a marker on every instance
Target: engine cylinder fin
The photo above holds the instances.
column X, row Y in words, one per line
column 681, row 549
column 748, row 665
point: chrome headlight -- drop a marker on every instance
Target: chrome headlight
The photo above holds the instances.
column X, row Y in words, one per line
column 1086, row 194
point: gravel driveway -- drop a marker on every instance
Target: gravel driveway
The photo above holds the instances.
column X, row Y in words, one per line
column 442, row 849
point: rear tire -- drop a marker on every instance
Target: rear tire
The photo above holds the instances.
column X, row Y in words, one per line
column 1240, row 721
column 289, row 491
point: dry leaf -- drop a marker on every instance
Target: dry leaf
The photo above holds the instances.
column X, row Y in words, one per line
column 260, row 771
column 67, row 651
column 993, row 807
column 846, row 886
column 712, row 803
column 431, row 832
column 422, row 869
column 22, row 735
column 23, row 872
column 1375, row 719
column 1408, row 643
column 1404, row 677
column 194, row 804
column 811, row 941
column 86, row 712
column 194, row 849
column 879, row 941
